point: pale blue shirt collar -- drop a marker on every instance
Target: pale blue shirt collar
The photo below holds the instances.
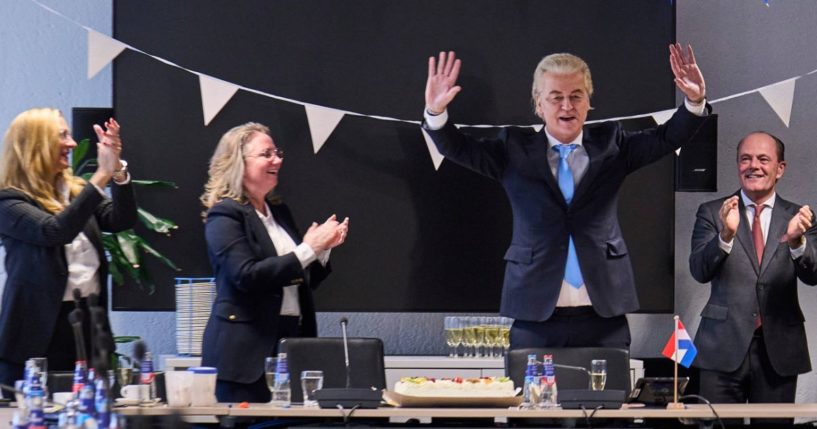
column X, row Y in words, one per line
column 552, row 141
column 748, row 201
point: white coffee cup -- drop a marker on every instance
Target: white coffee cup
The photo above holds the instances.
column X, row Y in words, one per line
column 136, row 392
column 178, row 386
column 62, row 398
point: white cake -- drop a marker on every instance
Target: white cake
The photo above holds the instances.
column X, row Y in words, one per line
column 493, row 387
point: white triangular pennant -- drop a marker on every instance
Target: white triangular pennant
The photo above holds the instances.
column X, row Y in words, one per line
column 663, row 116
column 538, row 127
column 436, row 156
column 215, row 93
column 101, row 51
column 780, row 97
column 322, row 121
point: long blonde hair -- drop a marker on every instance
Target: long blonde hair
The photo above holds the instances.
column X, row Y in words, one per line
column 31, row 148
column 226, row 173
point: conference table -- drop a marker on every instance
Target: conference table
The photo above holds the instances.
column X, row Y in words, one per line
column 473, row 417
column 692, row 413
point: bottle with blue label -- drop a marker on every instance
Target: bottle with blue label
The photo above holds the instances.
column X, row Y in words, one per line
column 281, row 389
column 147, row 376
column 35, row 399
column 549, row 395
column 531, row 381
column 80, row 375
column 102, row 403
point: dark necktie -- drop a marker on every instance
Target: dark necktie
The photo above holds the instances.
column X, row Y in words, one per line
column 757, row 238
column 757, row 234
column 573, row 275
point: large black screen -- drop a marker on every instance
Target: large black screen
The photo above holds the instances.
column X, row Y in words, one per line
column 421, row 239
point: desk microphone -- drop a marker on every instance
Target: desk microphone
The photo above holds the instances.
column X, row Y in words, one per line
column 343, row 323
column 588, row 398
column 348, row 397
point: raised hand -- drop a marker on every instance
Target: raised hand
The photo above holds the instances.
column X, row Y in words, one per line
column 730, row 218
column 798, row 225
column 109, row 137
column 441, row 86
column 688, row 77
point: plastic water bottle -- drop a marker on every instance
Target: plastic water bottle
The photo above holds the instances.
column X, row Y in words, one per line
column 281, row 390
column 86, row 404
column 80, row 376
column 531, row 380
column 101, row 403
column 35, row 399
column 549, row 395
column 147, row 376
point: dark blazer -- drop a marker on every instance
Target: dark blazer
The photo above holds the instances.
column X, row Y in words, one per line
column 740, row 287
column 36, row 265
column 542, row 220
column 250, row 276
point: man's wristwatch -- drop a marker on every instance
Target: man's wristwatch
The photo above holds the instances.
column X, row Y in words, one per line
column 121, row 174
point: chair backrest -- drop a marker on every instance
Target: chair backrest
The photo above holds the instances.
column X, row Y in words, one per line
column 326, row 354
column 618, row 365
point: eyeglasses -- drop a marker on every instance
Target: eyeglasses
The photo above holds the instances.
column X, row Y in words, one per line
column 269, row 153
column 558, row 100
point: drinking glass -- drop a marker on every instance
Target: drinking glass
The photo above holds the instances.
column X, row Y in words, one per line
column 505, row 333
column 479, row 335
column 41, row 366
column 269, row 371
column 598, row 374
column 469, row 337
column 124, row 372
column 491, row 335
column 311, row 381
column 453, row 334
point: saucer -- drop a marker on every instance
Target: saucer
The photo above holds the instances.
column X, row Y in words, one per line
column 126, row 401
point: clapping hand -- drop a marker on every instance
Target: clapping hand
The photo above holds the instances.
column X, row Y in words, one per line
column 688, row 77
column 730, row 218
column 109, row 147
column 441, row 86
column 798, row 225
column 327, row 235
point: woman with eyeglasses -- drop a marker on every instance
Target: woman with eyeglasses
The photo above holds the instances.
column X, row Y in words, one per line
column 265, row 269
column 50, row 225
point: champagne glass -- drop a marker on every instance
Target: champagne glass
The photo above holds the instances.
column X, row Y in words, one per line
column 468, row 335
column 491, row 335
column 479, row 335
column 453, row 334
column 270, row 364
column 505, row 333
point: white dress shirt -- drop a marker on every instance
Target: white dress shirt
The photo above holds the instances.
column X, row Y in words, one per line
column 765, row 221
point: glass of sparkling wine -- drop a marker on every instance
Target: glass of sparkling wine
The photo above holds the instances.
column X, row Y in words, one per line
column 598, row 374
column 479, row 334
column 505, row 333
column 469, row 337
column 491, row 335
column 453, row 334
column 124, row 372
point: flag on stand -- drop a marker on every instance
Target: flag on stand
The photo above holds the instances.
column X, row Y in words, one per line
column 686, row 349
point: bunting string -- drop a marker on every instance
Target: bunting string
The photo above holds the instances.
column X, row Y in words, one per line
column 322, row 120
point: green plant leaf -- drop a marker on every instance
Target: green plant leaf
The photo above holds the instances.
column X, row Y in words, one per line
column 155, row 253
column 121, row 339
column 155, row 183
column 79, row 153
column 155, row 223
column 129, row 243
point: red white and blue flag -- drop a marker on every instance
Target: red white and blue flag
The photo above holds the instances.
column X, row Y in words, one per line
column 681, row 340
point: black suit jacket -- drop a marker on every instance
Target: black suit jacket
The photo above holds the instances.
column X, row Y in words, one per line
column 740, row 287
column 250, row 276
column 542, row 220
column 36, row 265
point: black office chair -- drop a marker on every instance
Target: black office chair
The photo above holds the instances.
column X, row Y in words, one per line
column 326, row 354
column 618, row 366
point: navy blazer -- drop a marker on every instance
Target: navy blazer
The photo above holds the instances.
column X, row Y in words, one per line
column 36, row 265
column 542, row 220
column 250, row 277
column 740, row 287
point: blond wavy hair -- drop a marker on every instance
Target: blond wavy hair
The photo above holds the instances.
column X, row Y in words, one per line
column 561, row 63
column 31, row 149
column 226, row 173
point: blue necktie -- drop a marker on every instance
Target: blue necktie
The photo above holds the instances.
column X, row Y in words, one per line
column 573, row 275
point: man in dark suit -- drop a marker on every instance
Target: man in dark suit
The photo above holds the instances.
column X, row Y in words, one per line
column 568, row 278
column 751, row 341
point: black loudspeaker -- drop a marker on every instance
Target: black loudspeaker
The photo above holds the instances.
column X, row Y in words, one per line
column 696, row 168
column 82, row 125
